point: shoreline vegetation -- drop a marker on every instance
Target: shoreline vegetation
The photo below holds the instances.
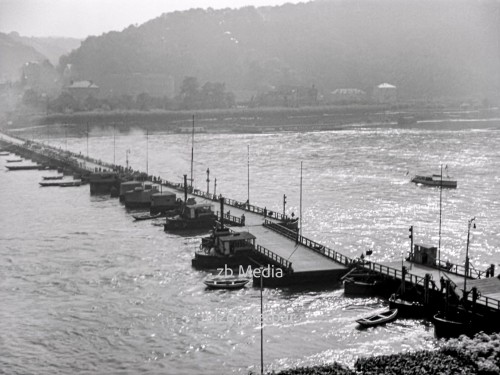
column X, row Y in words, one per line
column 254, row 120
column 479, row 355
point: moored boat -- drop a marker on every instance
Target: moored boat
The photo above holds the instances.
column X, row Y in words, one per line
column 140, row 197
column 223, row 249
column 407, row 308
column 379, row 318
column 23, row 167
column 163, row 202
column 197, row 216
column 103, row 182
column 68, row 183
column 53, row 177
column 450, row 325
column 14, row 160
column 361, row 287
column 147, row 216
column 4, row 153
column 226, row 283
column 128, row 186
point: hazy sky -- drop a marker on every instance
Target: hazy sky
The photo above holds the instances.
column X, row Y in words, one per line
column 80, row 18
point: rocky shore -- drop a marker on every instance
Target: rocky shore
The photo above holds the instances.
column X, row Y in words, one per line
column 468, row 356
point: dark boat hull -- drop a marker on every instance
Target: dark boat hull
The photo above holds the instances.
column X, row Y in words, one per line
column 451, row 184
column 23, row 167
column 209, row 261
column 407, row 309
column 146, row 217
column 204, row 223
column 360, row 288
column 449, row 326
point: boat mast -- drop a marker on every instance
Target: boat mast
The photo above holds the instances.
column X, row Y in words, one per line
column 147, row 152
column 248, row 174
column 114, row 144
column 192, row 154
column 440, row 214
column 208, row 181
column 300, row 215
column 261, row 324
column 87, row 139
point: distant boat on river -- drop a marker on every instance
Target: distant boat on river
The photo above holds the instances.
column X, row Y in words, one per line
column 435, row 180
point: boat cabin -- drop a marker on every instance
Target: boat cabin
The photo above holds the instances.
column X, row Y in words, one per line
column 128, row 186
column 164, row 199
column 235, row 242
column 198, row 210
column 424, row 254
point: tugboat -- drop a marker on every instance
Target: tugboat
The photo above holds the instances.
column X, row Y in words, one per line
column 193, row 216
column 140, row 197
column 224, row 249
column 164, row 202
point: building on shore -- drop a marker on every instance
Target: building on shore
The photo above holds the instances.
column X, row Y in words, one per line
column 385, row 93
column 346, row 96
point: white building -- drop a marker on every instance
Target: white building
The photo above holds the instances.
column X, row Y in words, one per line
column 385, row 93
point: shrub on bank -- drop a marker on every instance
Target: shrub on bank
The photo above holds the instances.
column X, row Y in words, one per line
column 483, row 350
column 330, row 369
column 422, row 363
column 479, row 355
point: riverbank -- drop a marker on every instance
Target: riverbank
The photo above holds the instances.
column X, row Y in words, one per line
column 249, row 120
column 479, row 355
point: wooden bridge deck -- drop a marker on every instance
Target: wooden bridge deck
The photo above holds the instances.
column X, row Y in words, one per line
column 303, row 259
column 420, row 270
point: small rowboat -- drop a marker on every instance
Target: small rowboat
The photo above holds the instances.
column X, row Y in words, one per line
column 377, row 319
column 70, row 183
column 52, row 177
column 61, row 183
column 14, row 160
column 146, row 216
column 226, row 283
column 4, row 153
column 22, row 167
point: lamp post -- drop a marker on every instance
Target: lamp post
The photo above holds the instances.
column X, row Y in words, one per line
column 471, row 221
column 126, row 157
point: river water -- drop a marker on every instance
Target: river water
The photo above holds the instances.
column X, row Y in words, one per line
column 85, row 289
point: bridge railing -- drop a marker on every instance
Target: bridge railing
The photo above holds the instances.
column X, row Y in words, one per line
column 489, row 302
column 230, row 219
column 230, row 202
column 286, row 264
column 313, row 245
column 460, row 270
column 392, row 272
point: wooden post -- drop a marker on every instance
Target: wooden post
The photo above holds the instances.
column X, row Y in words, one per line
column 208, row 181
